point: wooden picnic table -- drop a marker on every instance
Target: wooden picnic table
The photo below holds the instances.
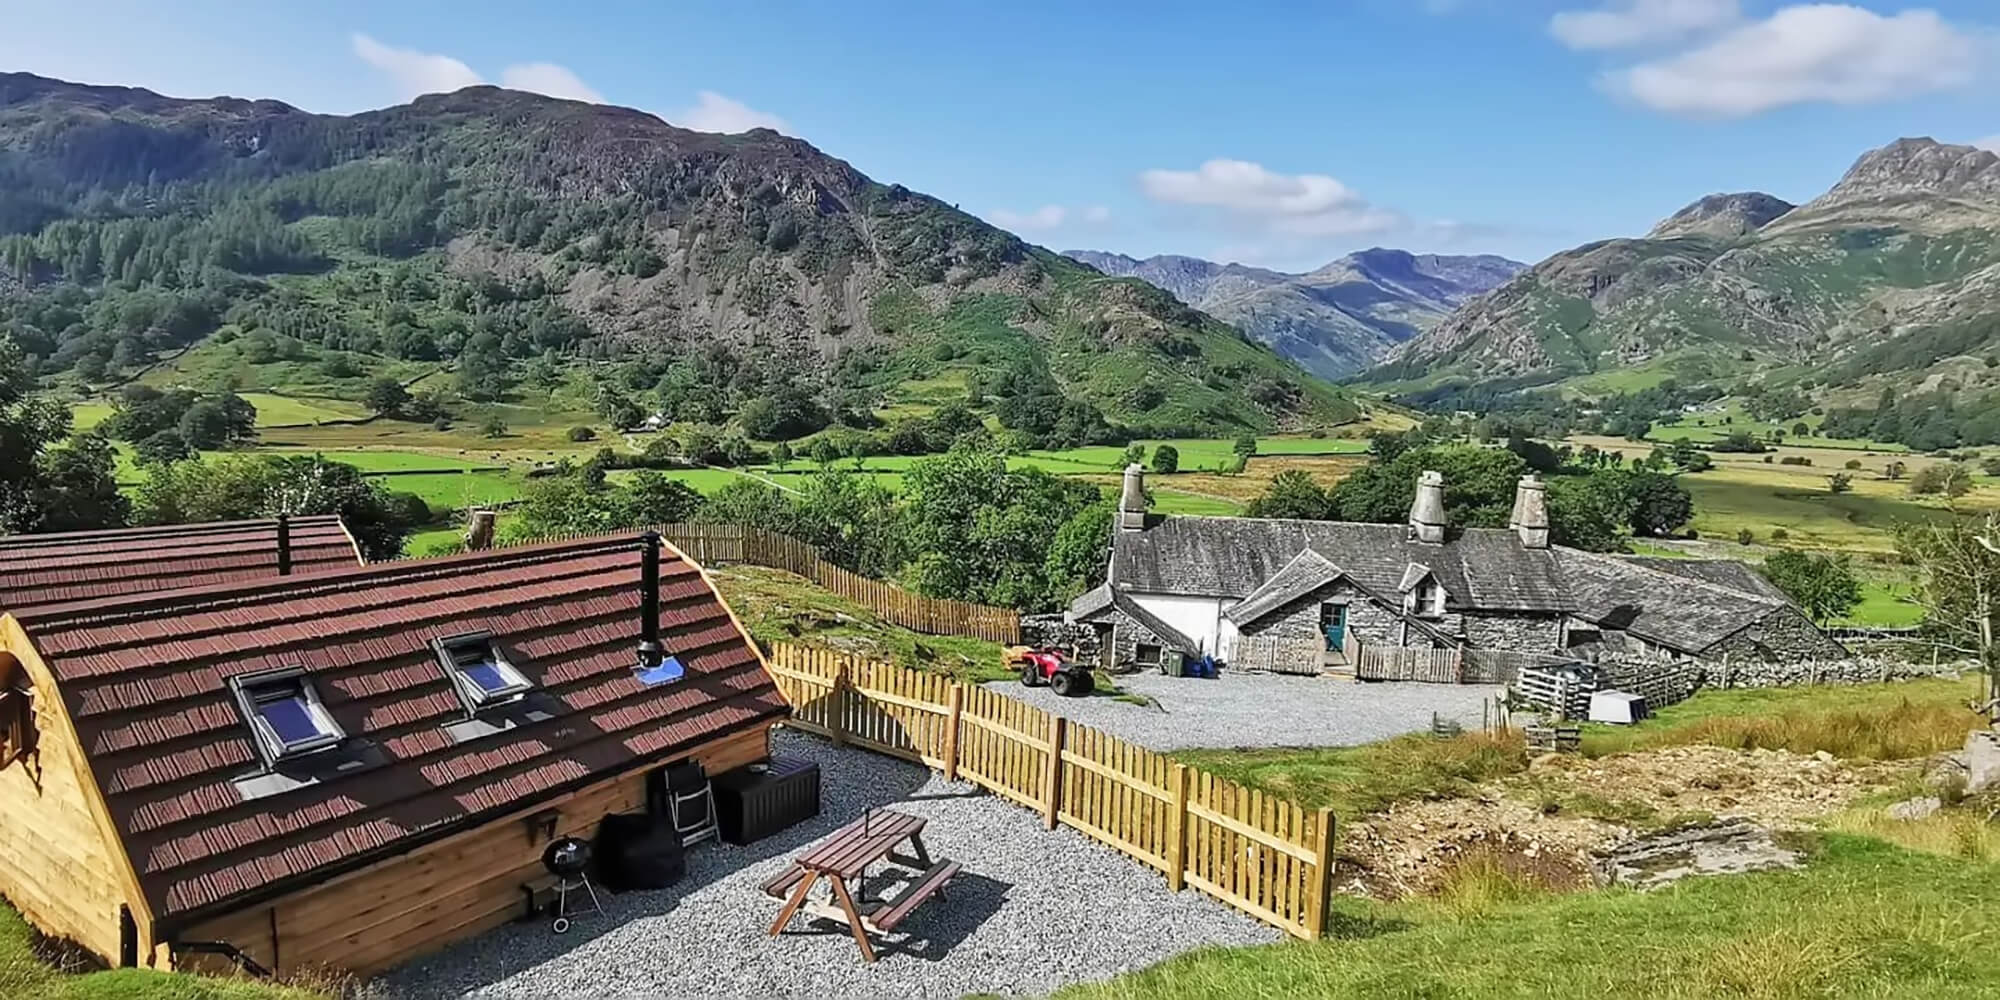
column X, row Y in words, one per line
column 844, row 856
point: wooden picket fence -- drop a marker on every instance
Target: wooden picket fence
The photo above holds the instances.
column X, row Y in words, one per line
column 736, row 543
column 1265, row 855
column 1278, row 654
column 1377, row 662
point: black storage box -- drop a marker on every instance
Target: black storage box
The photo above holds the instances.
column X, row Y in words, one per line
column 638, row 851
column 756, row 801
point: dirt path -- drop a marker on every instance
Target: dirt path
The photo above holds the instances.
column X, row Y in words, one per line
column 1550, row 821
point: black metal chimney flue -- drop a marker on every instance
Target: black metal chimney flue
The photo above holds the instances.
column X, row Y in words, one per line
column 284, row 546
column 650, row 651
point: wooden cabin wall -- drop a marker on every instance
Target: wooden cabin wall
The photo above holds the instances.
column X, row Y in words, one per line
column 57, row 865
column 384, row 915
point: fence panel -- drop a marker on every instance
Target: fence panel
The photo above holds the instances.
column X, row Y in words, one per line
column 1401, row 663
column 1264, row 855
column 1278, row 654
column 735, row 543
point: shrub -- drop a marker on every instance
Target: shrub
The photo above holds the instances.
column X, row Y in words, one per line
column 1166, row 459
column 582, row 434
column 1852, row 464
column 1745, row 536
column 1779, row 534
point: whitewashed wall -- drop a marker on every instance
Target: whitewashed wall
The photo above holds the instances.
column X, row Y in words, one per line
column 1199, row 618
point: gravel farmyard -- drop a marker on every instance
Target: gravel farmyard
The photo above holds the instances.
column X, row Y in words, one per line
column 1261, row 710
column 1032, row 910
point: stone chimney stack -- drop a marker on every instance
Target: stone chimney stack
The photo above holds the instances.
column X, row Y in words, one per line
column 479, row 530
column 1531, row 513
column 1427, row 512
column 1132, row 499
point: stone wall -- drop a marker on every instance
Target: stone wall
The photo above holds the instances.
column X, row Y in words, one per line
column 1735, row 673
column 1784, row 636
column 1126, row 637
column 1517, row 632
column 1052, row 630
column 1367, row 620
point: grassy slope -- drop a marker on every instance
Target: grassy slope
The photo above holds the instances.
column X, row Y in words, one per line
column 777, row 606
column 24, row 976
column 1881, row 721
column 1862, row 920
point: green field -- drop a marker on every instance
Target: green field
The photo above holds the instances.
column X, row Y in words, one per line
column 274, row 409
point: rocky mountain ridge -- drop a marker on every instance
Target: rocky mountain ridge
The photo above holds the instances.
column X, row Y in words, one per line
column 1907, row 240
column 1334, row 320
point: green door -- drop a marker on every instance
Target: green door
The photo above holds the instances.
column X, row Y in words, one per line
column 1333, row 624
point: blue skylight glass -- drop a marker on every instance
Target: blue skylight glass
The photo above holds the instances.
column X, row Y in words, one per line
column 667, row 672
column 291, row 719
column 487, row 676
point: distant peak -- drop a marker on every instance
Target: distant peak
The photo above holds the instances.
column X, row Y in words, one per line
column 1920, row 166
column 1723, row 216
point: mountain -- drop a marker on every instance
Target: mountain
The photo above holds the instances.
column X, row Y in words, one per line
column 488, row 226
column 1333, row 321
column 1893, row 270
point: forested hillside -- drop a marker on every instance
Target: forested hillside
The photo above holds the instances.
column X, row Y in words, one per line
column 489, row 228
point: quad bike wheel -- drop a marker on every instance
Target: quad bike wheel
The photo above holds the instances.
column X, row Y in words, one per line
column 1031, row 675
column 1064, row 683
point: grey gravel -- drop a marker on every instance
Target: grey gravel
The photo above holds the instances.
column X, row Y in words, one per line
column 1032, row 910
column 1262, row 710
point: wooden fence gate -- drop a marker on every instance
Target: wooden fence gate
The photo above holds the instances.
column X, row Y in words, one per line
column 1376, row 662
column 1263, row 854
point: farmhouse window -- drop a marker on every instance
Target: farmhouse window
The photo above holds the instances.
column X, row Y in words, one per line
column 479, row 671
column 285, row 714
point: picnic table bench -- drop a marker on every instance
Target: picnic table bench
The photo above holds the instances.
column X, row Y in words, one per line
column 844, row 857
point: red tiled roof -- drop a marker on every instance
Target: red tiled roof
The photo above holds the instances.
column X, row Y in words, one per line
column 146, row 679
column 85, row 565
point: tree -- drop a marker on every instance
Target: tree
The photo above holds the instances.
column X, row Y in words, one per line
column 1080, row 552
column 979, row 531
column 1135, row 453
column 1823, row 586
column 1953, row 479
column 493, row 427
column 823, row 451
column 781, row 454
column 1478, row 486
column 750, row 502
column 78, row 486
column 1839, row 482
column 1587, row 512
column 1895, row 471
column 235, row 488
column 204, row 426
column 1166, row 460
column 1245, row 446
column 1958, row 586
column 650, row 498
column 580, row 434
column 854, row 520
column 163, row 448
column 387, row 397
column 1292, row 494
column 1660, row 506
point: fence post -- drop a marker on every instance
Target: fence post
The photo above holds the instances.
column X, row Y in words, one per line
column 1322, row 880
column 955, row 706
column 838, row 698
column 1052, row 777
column 1177, row 784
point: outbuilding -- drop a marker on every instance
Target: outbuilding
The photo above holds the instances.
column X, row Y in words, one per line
column 352, row 767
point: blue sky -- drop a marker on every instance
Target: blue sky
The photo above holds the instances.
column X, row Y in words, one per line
column 1282, row 134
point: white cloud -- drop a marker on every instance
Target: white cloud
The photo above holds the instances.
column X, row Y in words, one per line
column 415, row 72
column 1048, row 217
column 1836, row 53
column 551, row 80
column 714, row 112
column 1249, row 195
column 1991, row 143
column 1624, row 23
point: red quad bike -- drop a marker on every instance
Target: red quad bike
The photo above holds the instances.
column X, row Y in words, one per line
column 1050, row 666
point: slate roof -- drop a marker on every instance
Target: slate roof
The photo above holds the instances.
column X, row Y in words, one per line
column 1172, row 636
column 1721, row 572
column 1307, row 572
column 1256, row 565
column 82, row 565
column 1483, row 568
column 145, row 678
column 1673, row 610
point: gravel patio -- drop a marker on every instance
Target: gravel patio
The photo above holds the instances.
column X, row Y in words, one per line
column 1261, row 710
column 1033, row 910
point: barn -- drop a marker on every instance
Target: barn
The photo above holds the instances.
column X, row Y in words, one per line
column 352, row 767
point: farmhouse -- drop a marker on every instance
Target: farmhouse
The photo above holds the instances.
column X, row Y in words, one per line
column 81, row 565
column 1239, row 588
column 352, row 767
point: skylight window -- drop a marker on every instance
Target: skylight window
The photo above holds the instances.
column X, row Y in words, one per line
column 285, row 714
column 480, row 671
